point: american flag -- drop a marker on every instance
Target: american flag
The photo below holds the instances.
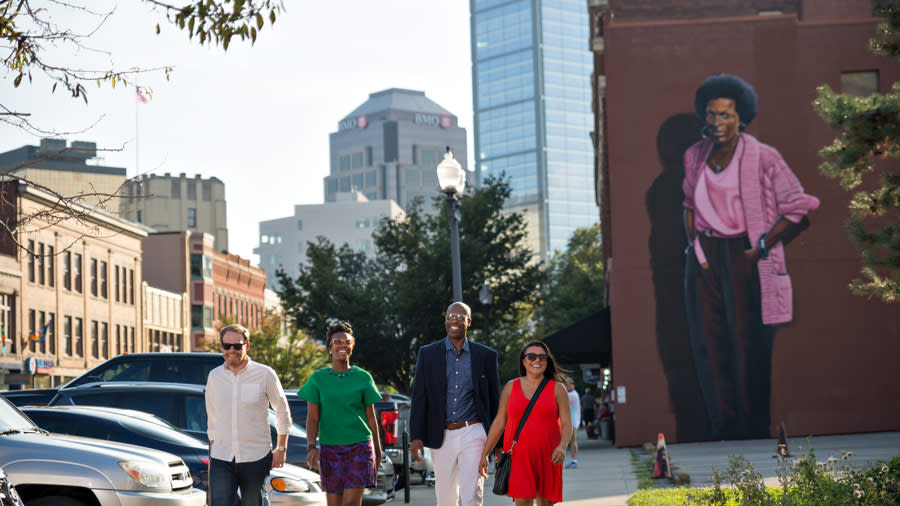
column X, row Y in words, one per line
column 140, row 96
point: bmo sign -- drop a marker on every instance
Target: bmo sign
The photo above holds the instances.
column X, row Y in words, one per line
column 358, row 122
column 443, row 120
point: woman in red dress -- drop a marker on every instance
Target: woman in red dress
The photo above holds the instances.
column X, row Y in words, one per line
column 536, row 472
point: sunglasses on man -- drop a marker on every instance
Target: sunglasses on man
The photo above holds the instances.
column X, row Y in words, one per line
column 233, row 346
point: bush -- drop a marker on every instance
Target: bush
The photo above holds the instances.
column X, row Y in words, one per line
column 803, row 482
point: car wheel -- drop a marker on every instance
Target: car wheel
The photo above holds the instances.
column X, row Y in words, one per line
column 55, row 500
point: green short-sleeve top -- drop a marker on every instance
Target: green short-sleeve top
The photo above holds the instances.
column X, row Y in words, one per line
column 342, row 399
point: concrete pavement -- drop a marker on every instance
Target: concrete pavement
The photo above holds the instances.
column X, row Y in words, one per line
column 604, row 476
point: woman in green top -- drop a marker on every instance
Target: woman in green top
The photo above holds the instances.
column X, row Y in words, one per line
column 341, row 414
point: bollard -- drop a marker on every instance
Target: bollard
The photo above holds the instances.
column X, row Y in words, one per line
column 405, row 469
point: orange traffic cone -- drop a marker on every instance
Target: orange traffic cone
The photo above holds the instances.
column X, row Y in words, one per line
column 661, row 467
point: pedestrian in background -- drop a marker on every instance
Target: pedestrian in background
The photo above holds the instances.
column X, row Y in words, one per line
column 238, row 395
column 537, row 458
column 575, row 409
column 588, row 413
column 341, row 401
column 456, row 390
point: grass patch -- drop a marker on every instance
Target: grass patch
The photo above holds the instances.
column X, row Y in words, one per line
column 643, row 469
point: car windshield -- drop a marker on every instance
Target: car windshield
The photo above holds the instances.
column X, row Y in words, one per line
column 12, row 420
column 295, row 429
column 162, row 431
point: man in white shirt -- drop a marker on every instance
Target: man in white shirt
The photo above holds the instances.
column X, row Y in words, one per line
column 238, row 395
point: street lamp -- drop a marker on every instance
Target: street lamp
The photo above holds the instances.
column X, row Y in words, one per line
column 486, row 298
column 452, row 179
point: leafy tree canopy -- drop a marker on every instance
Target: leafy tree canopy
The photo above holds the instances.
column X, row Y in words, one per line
column 573, row 283
column 870, row 144
column 395, row 302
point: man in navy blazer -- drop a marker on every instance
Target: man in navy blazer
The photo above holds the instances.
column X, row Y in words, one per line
column 456, row 391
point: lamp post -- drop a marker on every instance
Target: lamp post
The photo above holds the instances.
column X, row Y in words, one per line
column 486, row 298
column 452, row 179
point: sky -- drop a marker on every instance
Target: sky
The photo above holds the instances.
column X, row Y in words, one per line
column 257, row 118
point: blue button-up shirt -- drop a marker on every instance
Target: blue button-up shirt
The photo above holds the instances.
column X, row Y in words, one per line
column 460, row 389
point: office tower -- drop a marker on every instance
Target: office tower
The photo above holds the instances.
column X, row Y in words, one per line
column 531, row 68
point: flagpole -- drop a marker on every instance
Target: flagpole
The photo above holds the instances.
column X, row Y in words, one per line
column 137, row 139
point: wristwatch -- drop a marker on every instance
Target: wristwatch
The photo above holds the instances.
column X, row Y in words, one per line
column 281, row 448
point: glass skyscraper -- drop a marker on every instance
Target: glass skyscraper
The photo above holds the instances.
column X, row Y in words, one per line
column 531, row 73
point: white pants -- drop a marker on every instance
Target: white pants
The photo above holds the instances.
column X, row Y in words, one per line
column 456, row 466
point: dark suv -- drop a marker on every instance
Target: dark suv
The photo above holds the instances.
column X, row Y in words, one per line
column 190, row 368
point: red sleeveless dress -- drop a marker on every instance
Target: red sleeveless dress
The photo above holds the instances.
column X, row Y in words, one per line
column 533, row 473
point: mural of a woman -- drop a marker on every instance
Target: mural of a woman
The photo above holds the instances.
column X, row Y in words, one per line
column 740, row 199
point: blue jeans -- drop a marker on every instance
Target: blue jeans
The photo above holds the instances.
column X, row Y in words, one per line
column 225, row 478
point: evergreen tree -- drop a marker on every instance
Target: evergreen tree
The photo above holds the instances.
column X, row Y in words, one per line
column 870, row 144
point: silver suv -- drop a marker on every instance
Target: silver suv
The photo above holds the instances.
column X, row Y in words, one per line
column 64, row 470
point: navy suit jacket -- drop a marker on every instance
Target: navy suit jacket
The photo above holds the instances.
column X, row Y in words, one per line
column 429, row 398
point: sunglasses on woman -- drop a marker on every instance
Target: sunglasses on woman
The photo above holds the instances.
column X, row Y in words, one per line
column 542, row 357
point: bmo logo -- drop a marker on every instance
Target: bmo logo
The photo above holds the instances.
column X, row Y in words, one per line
column 444, row 121
column 360, row 122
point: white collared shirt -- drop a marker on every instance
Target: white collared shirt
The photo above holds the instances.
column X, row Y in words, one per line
column 237, row 408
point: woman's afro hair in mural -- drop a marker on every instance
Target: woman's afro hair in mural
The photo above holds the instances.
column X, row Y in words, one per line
column 727, row 86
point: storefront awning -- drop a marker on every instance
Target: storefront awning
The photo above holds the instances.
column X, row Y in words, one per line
column 587, row 341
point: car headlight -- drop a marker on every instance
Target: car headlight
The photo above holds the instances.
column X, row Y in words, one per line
column 292, row 485
column 147, row 474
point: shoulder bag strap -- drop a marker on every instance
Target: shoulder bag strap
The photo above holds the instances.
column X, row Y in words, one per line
column 534, row 399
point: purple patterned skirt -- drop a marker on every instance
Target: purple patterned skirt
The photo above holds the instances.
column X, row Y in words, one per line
column 347, row 466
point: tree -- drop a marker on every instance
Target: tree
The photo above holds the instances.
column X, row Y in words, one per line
column 573, row 286
column 395, row 301
column 871, row 135
column 292, row 355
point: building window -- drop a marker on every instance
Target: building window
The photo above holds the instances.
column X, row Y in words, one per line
column 7, row 333
column 32, row 322
column 79, row 337
column 372, row 196
column 370, row 179
column 362, row 245
column 192, row 190
column 412, row 177
column 207, row 190
column 51, row 332
column 116, row 283
column 103, row 276
column 176, row 188
column 93, row 275
column 345, row 184
column 133, row 349
column 51, row 266
column 76, row 270
column 299, row 224
column 362, row 223
column 428, row 158
column 357, row 161
column 104, row 340
column 119, row 331
column 95, row 340
column 358, row 181
column 67, row 270
column 332, row 185
column 31, row 261
column 191, row 217
column 131, row 286
column 67, row 336
column 859, row 84
column 345, row 162
column 140, row 216
column 300, row 248
column 40, row 264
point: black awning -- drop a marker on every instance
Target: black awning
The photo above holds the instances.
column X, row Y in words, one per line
column 587, row 341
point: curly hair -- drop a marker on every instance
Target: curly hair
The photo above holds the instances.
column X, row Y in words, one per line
column 334, row 328
column 746, row 102
column 553, row 371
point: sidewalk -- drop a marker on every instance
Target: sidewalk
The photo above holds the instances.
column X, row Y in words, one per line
column 604, row 476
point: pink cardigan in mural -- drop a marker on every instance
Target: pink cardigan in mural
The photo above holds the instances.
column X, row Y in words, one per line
column 769, row 189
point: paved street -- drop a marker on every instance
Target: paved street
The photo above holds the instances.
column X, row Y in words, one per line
column 604, row 476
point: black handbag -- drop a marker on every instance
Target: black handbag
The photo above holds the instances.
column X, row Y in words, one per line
column 504, row 462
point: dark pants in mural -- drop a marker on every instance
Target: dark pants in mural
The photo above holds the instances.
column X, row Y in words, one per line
column 731, row 347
